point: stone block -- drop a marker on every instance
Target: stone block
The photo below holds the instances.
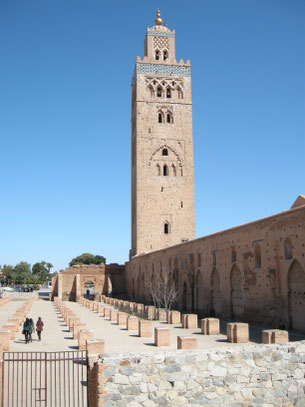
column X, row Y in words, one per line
column 241, row 332
column 72, row 321
column 274, row 336
column 15, row 322
column 5, row 340
column 230, row 336
column 145, row 328
column 132, row 306
column 132, row 323
column 69, row 318
column 186, row 342
column 113, row 315
column 191, row 321
column 150, row 312
column 175, row 317
column 140, row 309
column 95, row 305
column 279, row 336
column 266, row 336
column 95, row 346
column 162, row 337
column 126, row 306
column 162, row 314
column 101, row 309
column 107, row 313
column 122, row 318
column 83, row 336
column 11, row 329
column 77, row 326
column 213, row 326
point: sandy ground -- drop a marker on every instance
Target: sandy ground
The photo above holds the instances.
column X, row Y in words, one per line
column 56, row 336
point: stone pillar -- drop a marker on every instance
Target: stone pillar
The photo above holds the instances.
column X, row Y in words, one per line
column 113, row 315
column 274, row 336
column 5, row 340
column 191, row 321
column 186, row 342
column 122, row 318
column 150, row 312
column 145, row 328
column 175, row 317
column 162, row 316
column 9, row 328
column 76, row 328
column 210, row 326
column 132, row 323
column 95, row 347
column 107, row 312
column 83, row 336
column 162, row 337
column 238, row 332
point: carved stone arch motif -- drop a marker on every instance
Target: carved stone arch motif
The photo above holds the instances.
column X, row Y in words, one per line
column 169, row 149
column 199, row 292
column 237, row 293
column 215, row 293
column 296, row 296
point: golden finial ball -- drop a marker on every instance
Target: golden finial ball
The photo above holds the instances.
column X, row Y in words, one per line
column 158, row 20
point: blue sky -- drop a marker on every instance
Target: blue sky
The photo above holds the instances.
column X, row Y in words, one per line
column 65, row 75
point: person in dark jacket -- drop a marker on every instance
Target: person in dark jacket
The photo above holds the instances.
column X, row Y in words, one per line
column 26, row 330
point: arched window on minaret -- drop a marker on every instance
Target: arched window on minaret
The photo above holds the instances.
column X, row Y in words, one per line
column 164, row 151
column 159, row 92
column 157, row 55
column 180, row 93
column 168, row 93
column 165, row 170
column 151, row 90
column 158, row 168
column 174, row 170
column 165, row 55
column 169, row 117
column 166, row 228
column 160, row 117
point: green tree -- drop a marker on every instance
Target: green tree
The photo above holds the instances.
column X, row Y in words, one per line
column 42, row 270
column 8, row 272
column 22, row 271
column 87, row 258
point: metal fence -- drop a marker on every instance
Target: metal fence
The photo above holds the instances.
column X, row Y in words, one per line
column 44, row 379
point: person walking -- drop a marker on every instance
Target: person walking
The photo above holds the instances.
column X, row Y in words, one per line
column 31, row 330
column 39, row 327
column 26, row 330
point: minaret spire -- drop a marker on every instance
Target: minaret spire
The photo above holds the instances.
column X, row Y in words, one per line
column 158, row 20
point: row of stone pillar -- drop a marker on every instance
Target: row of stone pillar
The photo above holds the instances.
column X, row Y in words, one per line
column 9, row 330
column 84, row 336
column 237, row 332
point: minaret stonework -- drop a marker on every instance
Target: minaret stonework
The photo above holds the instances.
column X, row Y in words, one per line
column 162, row 146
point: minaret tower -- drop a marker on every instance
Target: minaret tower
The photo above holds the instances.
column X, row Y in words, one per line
column 162, row 145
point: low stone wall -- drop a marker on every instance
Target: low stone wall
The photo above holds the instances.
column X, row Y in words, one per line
column 256, row 375
column 19, row 296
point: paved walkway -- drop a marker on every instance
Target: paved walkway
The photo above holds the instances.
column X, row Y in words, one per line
column 56, row 336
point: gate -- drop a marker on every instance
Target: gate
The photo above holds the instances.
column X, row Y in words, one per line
column 44, row 379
